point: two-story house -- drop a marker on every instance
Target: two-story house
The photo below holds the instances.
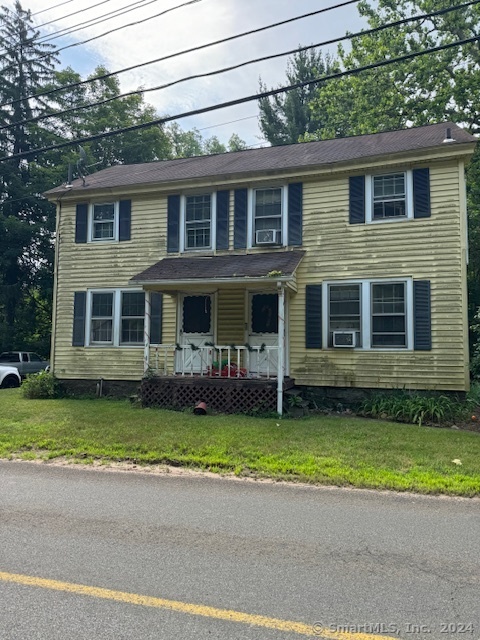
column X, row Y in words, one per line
column 338, row 264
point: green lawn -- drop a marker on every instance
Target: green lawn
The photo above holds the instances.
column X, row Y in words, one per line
column 344, row 451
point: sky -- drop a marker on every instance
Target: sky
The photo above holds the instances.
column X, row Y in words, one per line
column 198, row 23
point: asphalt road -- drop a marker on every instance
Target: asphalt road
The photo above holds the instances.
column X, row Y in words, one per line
column 350, row 561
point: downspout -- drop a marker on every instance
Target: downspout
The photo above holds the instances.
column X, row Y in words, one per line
column 281, row 346
column 55, row 287
column 148, row 320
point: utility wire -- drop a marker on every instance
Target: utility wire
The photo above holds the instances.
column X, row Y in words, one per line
column 230, row 68
column 185, row 51
column 82, row 25
column 106, row 33
column 69, row 15
column 37, row 13
column 61, row 33
column 250, row 98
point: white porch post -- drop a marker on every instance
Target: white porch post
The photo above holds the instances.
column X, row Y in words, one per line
column 281, row 346
column 146, row 339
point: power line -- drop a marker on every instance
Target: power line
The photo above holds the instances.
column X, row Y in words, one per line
column 61, row 33
column 185, row 51
column 233, row 103
column 37, row 13
column 232, row 67
column 69, row 15
column 125, row 26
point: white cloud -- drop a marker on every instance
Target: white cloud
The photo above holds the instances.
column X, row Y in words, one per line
column 191, row 26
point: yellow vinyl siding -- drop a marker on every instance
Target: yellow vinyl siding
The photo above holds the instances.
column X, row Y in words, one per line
column 422, row 249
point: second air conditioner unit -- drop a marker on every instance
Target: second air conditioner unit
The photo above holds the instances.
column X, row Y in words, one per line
column 267, row 236
column 347, row 338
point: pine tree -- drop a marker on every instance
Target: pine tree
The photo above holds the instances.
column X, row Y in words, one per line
column 25, row 219
column 285, row 118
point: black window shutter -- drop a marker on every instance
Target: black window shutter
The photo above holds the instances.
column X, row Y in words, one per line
column 79, row 312
column 223, row 206
column 313, row 316
column 240, row 219
column 81, row 223
column 173, row 224
column 357, row 199
column 156, row 304
column 125, row 212
column 295, row 207
column 422, row 316
column 421, row 193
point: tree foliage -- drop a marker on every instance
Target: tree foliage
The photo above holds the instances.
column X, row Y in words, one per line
column 26, row 221
column 423, row 90
column 286, row 117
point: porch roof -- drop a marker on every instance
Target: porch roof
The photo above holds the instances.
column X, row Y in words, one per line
column 274, row 266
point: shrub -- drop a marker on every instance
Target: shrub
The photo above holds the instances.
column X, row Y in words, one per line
column 414, row 408
column 41, row 385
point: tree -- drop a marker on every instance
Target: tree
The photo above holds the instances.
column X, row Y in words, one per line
column 286, row 117
column 427, row 89
column 25, row 220
column 235, row 143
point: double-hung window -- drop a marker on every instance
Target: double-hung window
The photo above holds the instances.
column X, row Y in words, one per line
column 389, row 196
column 132, row 318
column 267, row 216
column 103, row 223
column 345, row 310
column 369, row 314
column 101, row 327
column 198, row 222
column 389, row 315
column 116, row 317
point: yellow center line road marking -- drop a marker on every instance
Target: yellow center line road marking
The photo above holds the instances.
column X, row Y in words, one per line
column 192, row 609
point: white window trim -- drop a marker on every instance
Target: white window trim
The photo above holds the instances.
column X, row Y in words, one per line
column 116, row 319
column 369, row 197
column 251, row 214
column 116, row 222
column 213, row 222
column 366, row 312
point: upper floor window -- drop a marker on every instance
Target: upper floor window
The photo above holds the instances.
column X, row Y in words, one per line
column 267, row 216
column 198, row 222
column 103, row 221
column 197, row 215
column 389, row 196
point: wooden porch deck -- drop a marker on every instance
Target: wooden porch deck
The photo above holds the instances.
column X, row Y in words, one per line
column 225, row 395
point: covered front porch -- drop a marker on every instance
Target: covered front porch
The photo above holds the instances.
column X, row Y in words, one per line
column 228, row 335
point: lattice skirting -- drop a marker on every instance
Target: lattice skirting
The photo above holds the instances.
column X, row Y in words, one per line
column 226, row 396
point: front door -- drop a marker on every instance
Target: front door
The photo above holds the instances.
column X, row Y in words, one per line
column 195, row 329
column 263, row 332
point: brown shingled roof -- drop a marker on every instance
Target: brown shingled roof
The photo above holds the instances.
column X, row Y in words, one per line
column 281, row 158
column 228, row 267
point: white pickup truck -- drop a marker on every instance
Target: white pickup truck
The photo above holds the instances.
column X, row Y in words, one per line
column 25, row 361
column 9, row 377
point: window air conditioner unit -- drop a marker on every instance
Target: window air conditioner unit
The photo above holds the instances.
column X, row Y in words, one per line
column 267, row 236
column 345, row 338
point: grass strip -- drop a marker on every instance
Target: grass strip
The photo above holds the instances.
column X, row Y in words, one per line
column 333, row 450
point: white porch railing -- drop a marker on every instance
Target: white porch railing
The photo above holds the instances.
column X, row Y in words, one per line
column 220, row 361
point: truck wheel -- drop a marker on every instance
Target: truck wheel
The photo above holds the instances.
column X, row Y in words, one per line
column 10, row 382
